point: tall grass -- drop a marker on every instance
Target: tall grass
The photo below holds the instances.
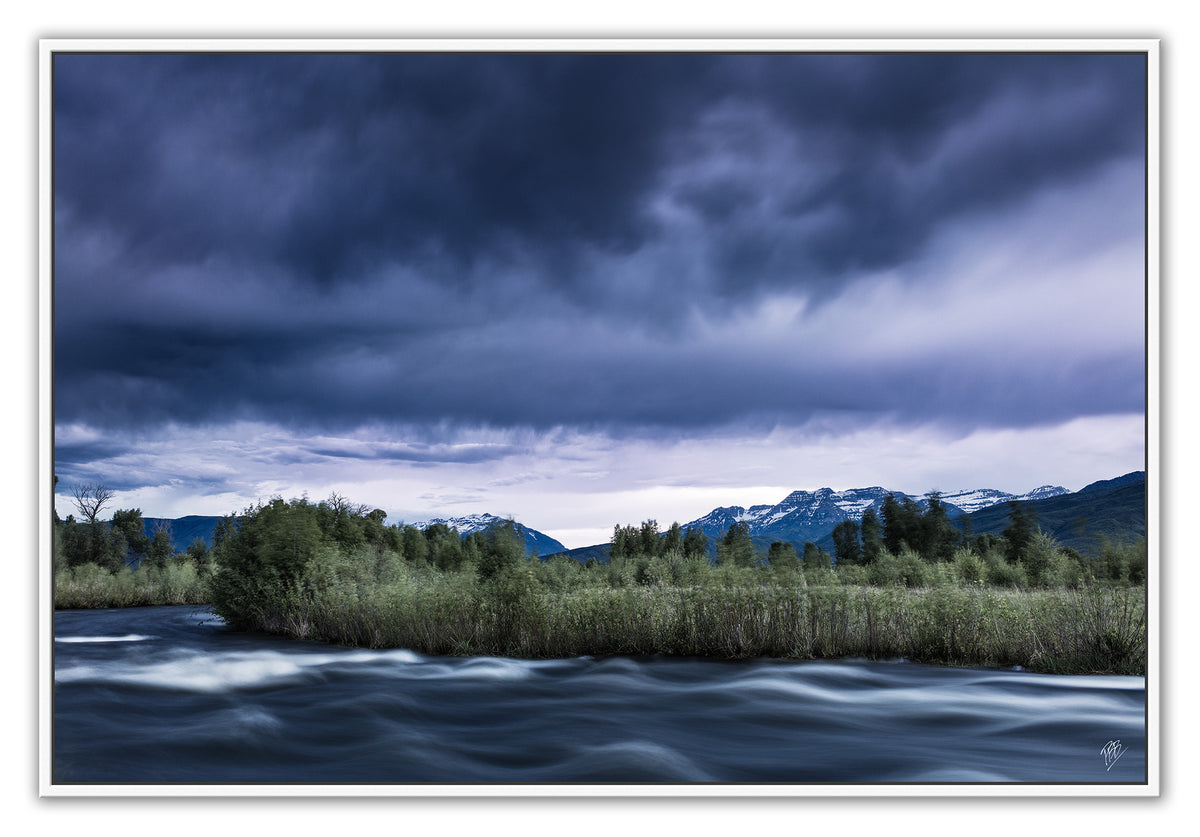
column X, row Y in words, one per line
column 91, row 586
column 972, row 610
column 1085, row 630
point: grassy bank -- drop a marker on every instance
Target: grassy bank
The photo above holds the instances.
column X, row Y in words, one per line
column 1091, row 629
column 90, row 586
column 1086, row 630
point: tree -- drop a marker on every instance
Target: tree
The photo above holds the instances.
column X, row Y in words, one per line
column 902, row 524
column 414, row 546
column 90, row 499
column 377, row 535
column 197, row 552
column 263, row 560
column 446, row 550
column 672, row 541
column 892, row 524
column 342, row 520
column 161, row 549
column 695, row 543
column 648, row 540
column 735, row 547
column 625, row 544
column 816, row 558
column 938, row 535
column 130, row 524
column 113, row 552
column 872, row 540
column 782, row 555
column 846, row 547
column 1020, row 531
column 504, row 548
column 73, row 540
column 966, row 529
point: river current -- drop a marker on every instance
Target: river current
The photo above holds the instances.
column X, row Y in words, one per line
column 169, row 695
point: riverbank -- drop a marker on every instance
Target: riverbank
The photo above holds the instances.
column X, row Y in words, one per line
column 90, row 587
column 1092, row 630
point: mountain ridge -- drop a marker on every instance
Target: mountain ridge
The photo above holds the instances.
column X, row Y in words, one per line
column 186, row 529
column 810, row 515
column 537, row 542
column 1112, row 508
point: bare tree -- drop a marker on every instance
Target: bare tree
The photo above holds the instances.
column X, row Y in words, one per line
column 90, row 499
column 342, row 506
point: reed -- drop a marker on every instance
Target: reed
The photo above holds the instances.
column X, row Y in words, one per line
column 1091, row 629
column 91, row 586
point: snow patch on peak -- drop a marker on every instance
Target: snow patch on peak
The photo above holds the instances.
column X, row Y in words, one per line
column 466, row 524
column 1044, row 491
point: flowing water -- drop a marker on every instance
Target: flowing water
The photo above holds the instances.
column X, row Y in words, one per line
column 169, row 695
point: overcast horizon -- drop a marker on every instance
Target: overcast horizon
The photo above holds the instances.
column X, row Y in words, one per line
column 583, row 290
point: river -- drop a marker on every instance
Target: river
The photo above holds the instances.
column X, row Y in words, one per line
column 169, row 695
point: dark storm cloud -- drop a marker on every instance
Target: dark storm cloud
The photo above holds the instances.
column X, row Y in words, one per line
column 335, row 240
column 327, row 164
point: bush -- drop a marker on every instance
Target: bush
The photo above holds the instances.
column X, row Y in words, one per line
column 969, row 567
column 907, row 569
column 1000, row 572
column 1122, row 561
column 855, row 575
column 93, row 586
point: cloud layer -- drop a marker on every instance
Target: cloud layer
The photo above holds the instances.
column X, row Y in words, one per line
column 419, row 250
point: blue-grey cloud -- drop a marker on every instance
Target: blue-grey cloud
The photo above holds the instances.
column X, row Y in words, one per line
column 548, row 240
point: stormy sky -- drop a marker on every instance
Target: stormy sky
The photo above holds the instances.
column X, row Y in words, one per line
column 588, row 289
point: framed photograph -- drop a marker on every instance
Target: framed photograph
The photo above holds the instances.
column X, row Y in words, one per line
column 599, row 418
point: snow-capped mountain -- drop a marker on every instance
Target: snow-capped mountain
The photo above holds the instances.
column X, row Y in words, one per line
column 980, row 498
column 808, row 515
column 539, row 543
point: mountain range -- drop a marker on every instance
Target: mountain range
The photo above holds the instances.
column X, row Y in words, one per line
column 184, row 530
column 1112, row 509
column 809, row 515
column 1106, row 510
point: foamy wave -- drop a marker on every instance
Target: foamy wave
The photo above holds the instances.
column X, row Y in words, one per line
column 224, row 672
column 126, row 638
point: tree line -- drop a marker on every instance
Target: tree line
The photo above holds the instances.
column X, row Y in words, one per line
column 118, row 542
column 901, row 542
column 270, row 548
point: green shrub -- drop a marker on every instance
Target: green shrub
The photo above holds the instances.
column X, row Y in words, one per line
column 1000, row 572
column 93, row 586
column 854, row 575
column 969, row 567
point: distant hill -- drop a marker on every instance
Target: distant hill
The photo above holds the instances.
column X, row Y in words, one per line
column 1113, row 509
column 1109, row 508
column 812, row 515
column 183, row 530
column 581, row 554
column 1132, row 478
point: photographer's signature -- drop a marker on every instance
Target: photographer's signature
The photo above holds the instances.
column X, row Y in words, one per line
column 1111, row 752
